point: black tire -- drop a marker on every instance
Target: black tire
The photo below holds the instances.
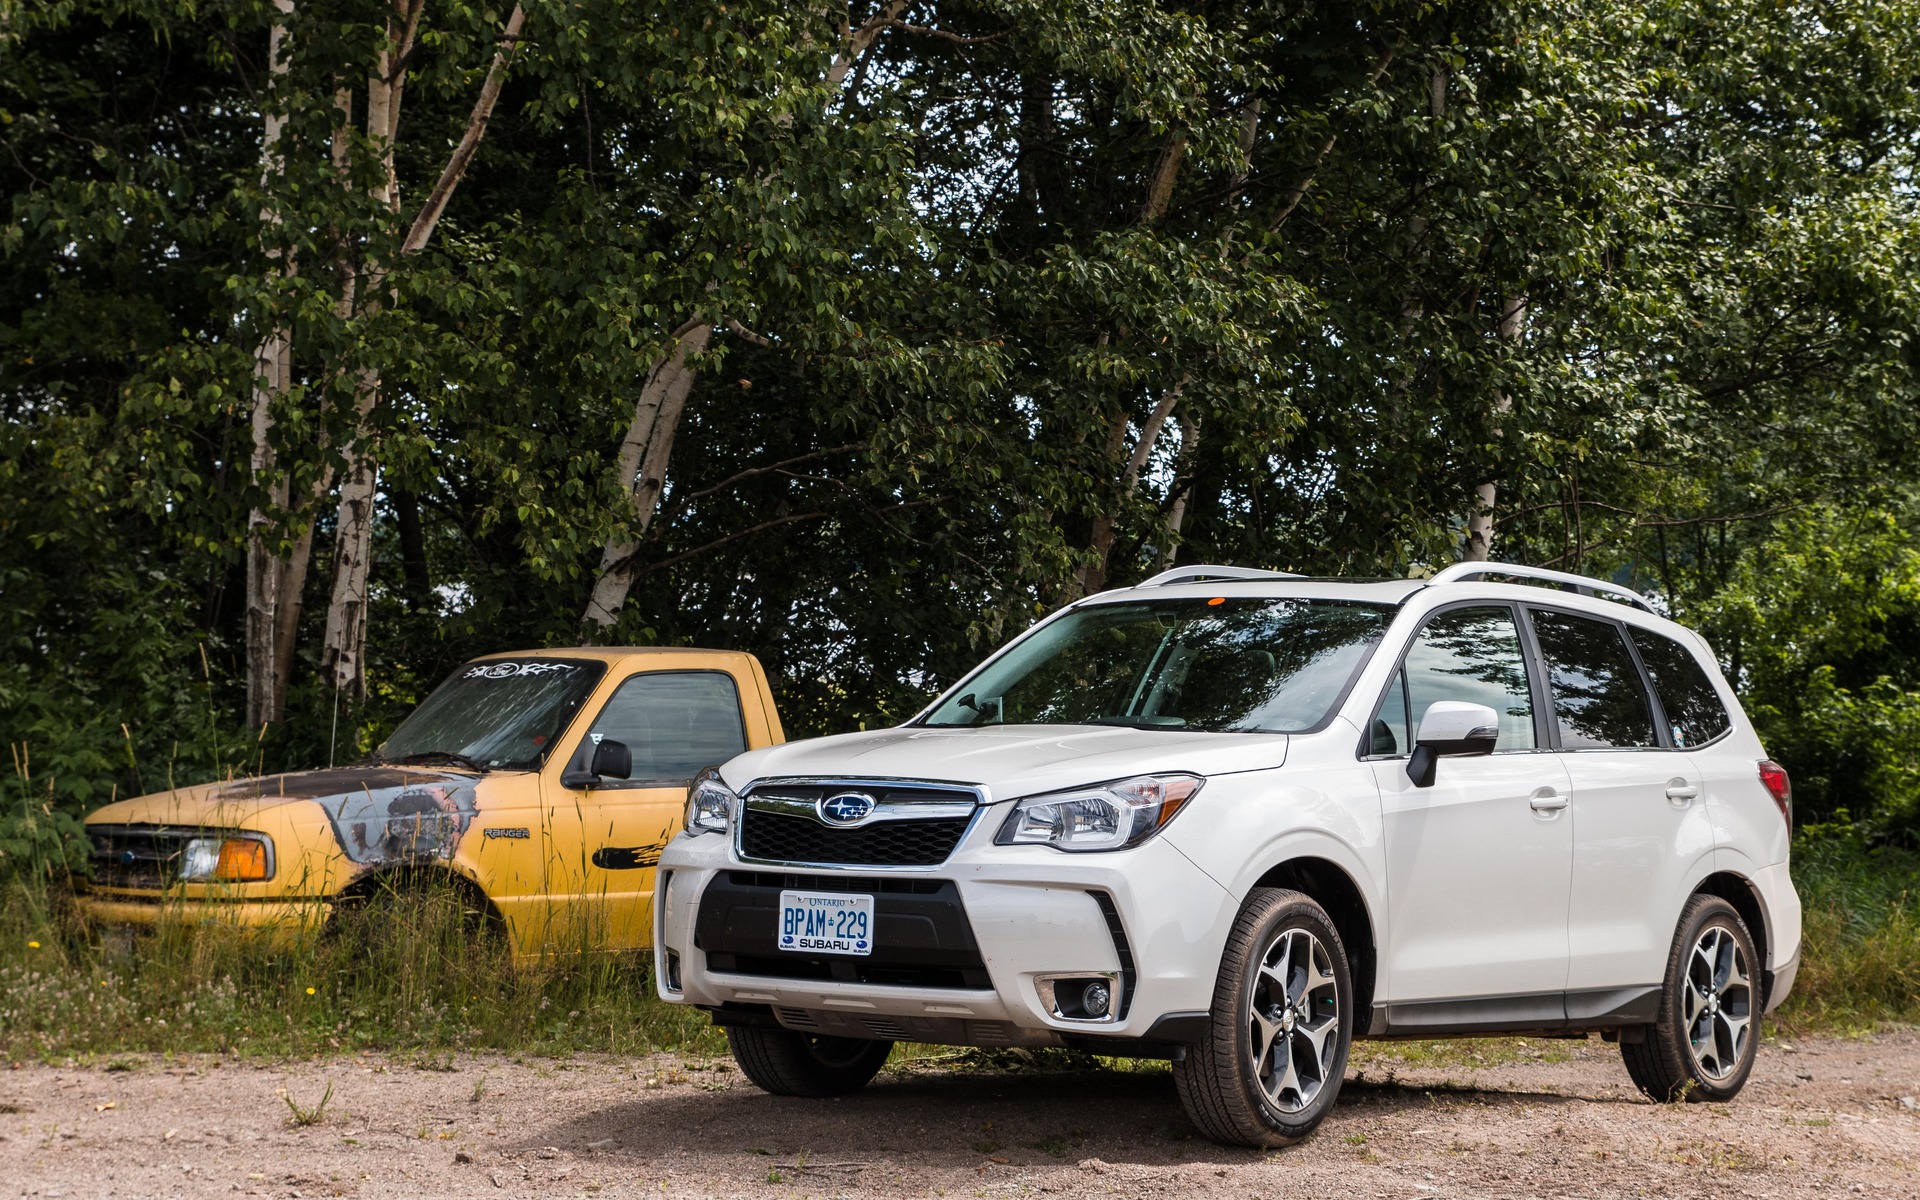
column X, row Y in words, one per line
column 788, row 1063
column 1237, row 1093
column 1701, row 1046
column 408, row 915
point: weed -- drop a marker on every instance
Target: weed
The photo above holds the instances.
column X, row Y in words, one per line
column 309, row 1115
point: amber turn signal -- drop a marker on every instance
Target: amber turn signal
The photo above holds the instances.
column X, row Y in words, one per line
column 242, row 860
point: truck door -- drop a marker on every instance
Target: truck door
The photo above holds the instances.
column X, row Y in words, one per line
column 607, row 839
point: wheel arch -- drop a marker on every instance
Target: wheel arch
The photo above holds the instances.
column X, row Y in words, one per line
column 1333, row 887
column 1737, row 890
column 419, row 876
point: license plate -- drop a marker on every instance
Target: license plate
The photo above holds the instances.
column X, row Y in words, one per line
column 826, row 923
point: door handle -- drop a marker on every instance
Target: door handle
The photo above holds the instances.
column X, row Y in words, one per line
column 1681, row 792
column 1549, row 799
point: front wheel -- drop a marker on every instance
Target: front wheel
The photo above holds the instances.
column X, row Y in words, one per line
column 1701, row 1045
column 789, row 1063
column 1270, row 1066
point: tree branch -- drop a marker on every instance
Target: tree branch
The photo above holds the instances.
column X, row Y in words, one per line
column 955, row 38
column 1299, row 190
column 456, row 168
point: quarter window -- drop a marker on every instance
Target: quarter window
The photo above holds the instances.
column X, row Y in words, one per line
column 1695, row 715
column 1470, row 654
column 1598, row 700
column 676, row 724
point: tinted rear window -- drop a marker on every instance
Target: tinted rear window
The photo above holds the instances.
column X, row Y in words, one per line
column 1695, row 715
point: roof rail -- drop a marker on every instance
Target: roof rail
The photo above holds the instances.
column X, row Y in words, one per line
column 1195, row 574
column 1585, row 585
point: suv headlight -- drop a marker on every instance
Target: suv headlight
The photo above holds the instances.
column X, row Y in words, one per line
column 233, row 858
column 709, row 804
column 1106, row 816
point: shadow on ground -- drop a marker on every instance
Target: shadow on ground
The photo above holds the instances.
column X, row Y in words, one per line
column 958, row 1119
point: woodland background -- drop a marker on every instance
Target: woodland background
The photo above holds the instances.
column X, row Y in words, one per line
column 340, row 342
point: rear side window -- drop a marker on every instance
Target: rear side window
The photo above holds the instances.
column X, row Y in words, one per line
column 675, row 723
column 1598, row 700
column 1695, row 715
column 1470, row 654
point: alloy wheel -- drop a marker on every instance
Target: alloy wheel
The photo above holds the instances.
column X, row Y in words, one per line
column 1718, row 1000
column 1293, row 1015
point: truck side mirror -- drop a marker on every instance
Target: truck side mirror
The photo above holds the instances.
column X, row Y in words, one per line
column 612, row 760
column 1451, row 729
column 594, row 761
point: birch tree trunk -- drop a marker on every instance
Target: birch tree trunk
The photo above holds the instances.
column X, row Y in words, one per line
column 1092, row 577
column 641, row 465
column 1513, row 323
column 1183, row 483
column 343, row 649
column 273, row 368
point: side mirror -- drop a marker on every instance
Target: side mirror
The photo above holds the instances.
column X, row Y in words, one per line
column 1451, row 729
column 593, row 762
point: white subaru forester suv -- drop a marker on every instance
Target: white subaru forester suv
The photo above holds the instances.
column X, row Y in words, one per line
column 1236, row 819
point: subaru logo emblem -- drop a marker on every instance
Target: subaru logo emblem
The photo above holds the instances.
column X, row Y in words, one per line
column 846, row 808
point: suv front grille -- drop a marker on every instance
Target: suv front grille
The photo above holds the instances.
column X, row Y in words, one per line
column 137, row 856
column 912, row 826
column 776, row 837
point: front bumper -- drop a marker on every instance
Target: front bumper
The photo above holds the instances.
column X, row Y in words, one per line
column 291, row 916
column 962, row 951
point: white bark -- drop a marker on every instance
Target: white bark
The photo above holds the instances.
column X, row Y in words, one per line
column 343, row 652
column 1513, row 323
column 273, row 366
column 1177, row 511
column 642, row 466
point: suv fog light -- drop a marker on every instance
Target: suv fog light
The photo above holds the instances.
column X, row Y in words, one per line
column 673, row 971
column 1078, row 997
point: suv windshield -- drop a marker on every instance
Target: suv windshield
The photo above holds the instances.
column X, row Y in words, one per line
column 501, row 712
column 1249, row 665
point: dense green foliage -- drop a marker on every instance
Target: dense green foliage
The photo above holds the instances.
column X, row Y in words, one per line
column 1012, row 299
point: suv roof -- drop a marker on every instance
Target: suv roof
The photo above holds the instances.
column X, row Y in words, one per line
column 1217, row 580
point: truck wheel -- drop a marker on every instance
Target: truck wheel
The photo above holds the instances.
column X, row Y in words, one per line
column 789, row 1063
column 1701, row 1045
column 1270, row 1066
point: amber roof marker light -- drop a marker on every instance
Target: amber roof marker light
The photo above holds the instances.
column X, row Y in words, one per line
column 1216, row 600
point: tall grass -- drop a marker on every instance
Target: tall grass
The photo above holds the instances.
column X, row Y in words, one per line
column 426, row 985
column 422, row 983
column 1860, row 948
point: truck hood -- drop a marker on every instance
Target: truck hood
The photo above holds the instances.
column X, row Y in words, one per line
column 1011, row 760
column 233, row 803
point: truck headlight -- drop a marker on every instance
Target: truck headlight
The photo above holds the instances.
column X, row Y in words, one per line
column 233, row 858
column 1106, row 816
column 709, row 804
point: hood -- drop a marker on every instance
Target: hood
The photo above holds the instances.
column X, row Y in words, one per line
column 1011, row 760
column 378, row 813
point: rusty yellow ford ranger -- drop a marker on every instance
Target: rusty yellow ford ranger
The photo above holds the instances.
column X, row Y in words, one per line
column 542, row 784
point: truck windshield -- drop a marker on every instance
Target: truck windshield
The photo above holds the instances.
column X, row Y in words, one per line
column 497, row 713
column 1249, row 665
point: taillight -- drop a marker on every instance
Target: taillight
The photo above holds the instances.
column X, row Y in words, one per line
column 1773, row 777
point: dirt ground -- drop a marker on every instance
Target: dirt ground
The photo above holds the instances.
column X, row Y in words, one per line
column 1820, row 1118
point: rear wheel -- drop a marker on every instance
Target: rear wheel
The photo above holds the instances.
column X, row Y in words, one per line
column 788, row 1063
column 1701, row 1045
column 1269, row 1069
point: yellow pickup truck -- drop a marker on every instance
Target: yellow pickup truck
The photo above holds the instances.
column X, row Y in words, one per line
column 543, row 785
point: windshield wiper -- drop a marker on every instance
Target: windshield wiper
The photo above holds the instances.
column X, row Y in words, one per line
column 427, row 757
column 1141, row 722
